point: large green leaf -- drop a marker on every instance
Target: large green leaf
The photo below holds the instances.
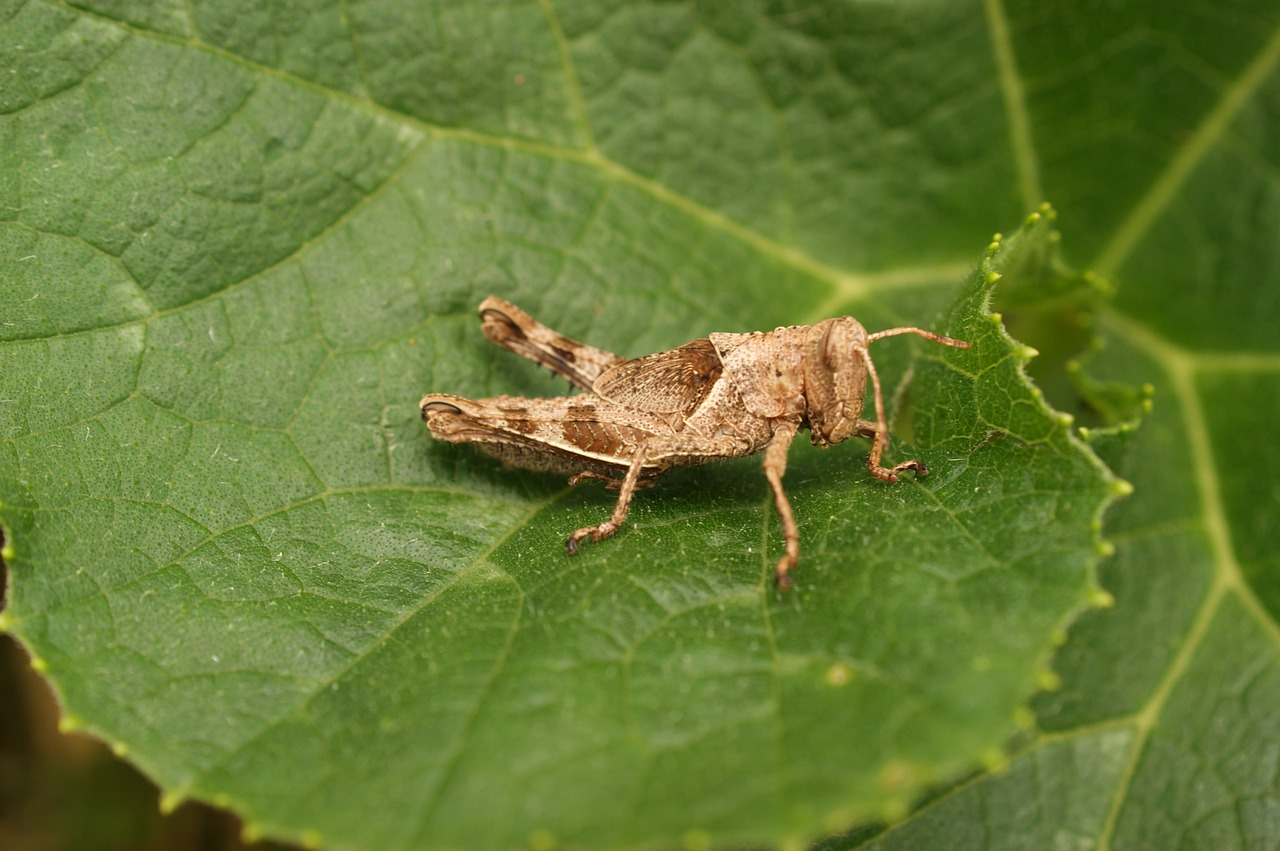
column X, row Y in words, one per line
column 239, row 241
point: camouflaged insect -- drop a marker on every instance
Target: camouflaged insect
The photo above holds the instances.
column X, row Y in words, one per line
column 721, row 396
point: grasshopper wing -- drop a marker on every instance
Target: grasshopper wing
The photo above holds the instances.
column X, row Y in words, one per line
column 674, row 382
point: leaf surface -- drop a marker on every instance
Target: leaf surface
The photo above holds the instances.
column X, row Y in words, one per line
column 239, row 242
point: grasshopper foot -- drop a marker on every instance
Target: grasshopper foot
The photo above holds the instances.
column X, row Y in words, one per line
column 891, row 474
column 782, row 579
column 595, row 533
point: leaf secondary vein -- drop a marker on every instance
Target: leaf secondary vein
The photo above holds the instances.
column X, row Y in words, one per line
column 847, row 286
column 212, row 536
column 570, row 75
column 1212, row 127
column 833, row 275
column 1015, row 105
column 481, row 558
column 1227, row 578
column 459, row 750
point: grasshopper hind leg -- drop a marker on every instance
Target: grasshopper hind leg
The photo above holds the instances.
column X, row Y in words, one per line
column 506, row 325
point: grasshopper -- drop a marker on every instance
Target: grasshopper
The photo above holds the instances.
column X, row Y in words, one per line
column 721, row 396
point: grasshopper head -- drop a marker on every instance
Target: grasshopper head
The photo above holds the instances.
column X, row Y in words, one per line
column 836, row 367
column 835, row 378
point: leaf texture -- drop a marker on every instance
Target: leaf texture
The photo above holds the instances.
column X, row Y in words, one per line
column 239, row 241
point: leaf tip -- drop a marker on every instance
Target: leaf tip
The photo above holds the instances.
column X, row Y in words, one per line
column 120, row 749
column 1048, row 680
column 251, row 832
column 68, row 723
column 1121, row 487
column 39, row 665
column 994, row 760
column 1101, row 598
column 6, row 552
column 6, row 622
column 310, row 839
column 171, row 800
column 1045, row 212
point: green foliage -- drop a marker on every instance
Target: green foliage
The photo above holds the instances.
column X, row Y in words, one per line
column 239, row 241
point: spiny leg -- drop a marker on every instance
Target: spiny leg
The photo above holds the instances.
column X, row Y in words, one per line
column 508, row 326
column 775, row 467
column 880, row 430
column 660, row 453
column 603, row 530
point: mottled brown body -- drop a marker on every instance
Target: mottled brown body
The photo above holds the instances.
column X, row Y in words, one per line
column 722, row 396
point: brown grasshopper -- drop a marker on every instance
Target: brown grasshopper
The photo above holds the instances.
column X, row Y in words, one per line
column 721, row 396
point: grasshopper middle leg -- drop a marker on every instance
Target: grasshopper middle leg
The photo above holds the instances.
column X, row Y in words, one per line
column 660, row 452
column 775, row 467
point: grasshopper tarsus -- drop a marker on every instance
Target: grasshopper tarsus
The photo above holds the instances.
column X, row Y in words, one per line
column 890, row 474
column 595, row 533
column 721, row 396
column 782, row 578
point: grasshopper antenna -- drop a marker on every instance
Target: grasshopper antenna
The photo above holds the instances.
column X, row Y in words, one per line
column 919, row 332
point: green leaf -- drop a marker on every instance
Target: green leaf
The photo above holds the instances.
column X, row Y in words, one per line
column 239, row 241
